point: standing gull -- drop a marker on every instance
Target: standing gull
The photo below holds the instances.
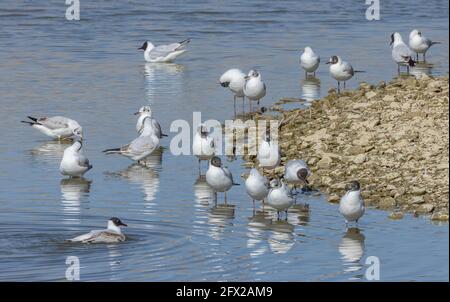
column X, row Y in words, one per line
column 351, row 205
column 279, row 197
column 419, row 43
column 234, row 79
column 140, row 147
column 309, row 61
column 219, row 177
column 163, row 53
column 268, row 152
column 296, row 172
column 254, row 88
column 146, row 112
column 203, row 145
column 340, row 70
column 59, row 127
column 257, row 186
column 111, row 234
column 74, row 163
column 401, row 53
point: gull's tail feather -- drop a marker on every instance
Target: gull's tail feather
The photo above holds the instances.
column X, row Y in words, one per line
column 236, row 184
column 164, row 135
column 432, row 43
column 360, row 71
column 29, row 123
column 111, row 151
column 32, row 118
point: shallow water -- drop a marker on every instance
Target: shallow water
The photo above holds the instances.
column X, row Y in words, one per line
column 91, row 71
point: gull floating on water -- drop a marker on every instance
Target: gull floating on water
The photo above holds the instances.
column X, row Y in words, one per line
column 268, row 152
column 111, row 234
column 351, row 205
column 59, row 127
column 340, row 70
column 419, row 43
column 401, row 53
column 74, row 163
column 203, row 145
column 279, row 197
column 234, row 79
column 146, row 112
column 140, row 147
column 163, row 53
column 219, row 177
column 257, row 186
column 309, row 61
column 254, row 88
column 296, row 172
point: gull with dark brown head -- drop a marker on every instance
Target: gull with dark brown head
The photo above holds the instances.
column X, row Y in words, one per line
column 111, row 234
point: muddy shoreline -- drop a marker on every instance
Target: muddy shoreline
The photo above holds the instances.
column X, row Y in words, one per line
column 391, row 137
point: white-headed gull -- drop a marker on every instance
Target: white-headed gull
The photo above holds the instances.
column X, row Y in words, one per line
column 59, row 127
column 309, row 61
column 74, row 163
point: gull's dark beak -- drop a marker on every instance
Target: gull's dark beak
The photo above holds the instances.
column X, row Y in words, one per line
column 122, row 224
column 225, row 84
column 141, row 48
column 136, row 113
column 328, row 62
column 246, row 77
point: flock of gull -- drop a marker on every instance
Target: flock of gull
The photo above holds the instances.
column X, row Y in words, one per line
column 278, row 193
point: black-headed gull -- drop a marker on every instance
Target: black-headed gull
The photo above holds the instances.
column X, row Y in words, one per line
column 341, row 70
column 74, row 163
column 296, row 172
column 111, row 234
column 351, row 205
column 59, row 127
column 163, row 53
column 219, row 177
column 419, row 43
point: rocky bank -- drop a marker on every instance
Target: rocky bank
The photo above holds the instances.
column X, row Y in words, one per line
column 392, row 137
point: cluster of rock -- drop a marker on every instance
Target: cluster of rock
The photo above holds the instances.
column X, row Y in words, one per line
column 393, row 138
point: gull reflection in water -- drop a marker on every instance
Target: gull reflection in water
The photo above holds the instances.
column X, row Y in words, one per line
column 163, row 78
column 352, row 249
column 257, row 225
column 219, row 217
column 421, row 69
column 51, row 151
column 278, row 233
column 298, row 214
column 146, row 177
column 310, row 88
column 114, row 256
column 73, row 192
column 202, row 191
